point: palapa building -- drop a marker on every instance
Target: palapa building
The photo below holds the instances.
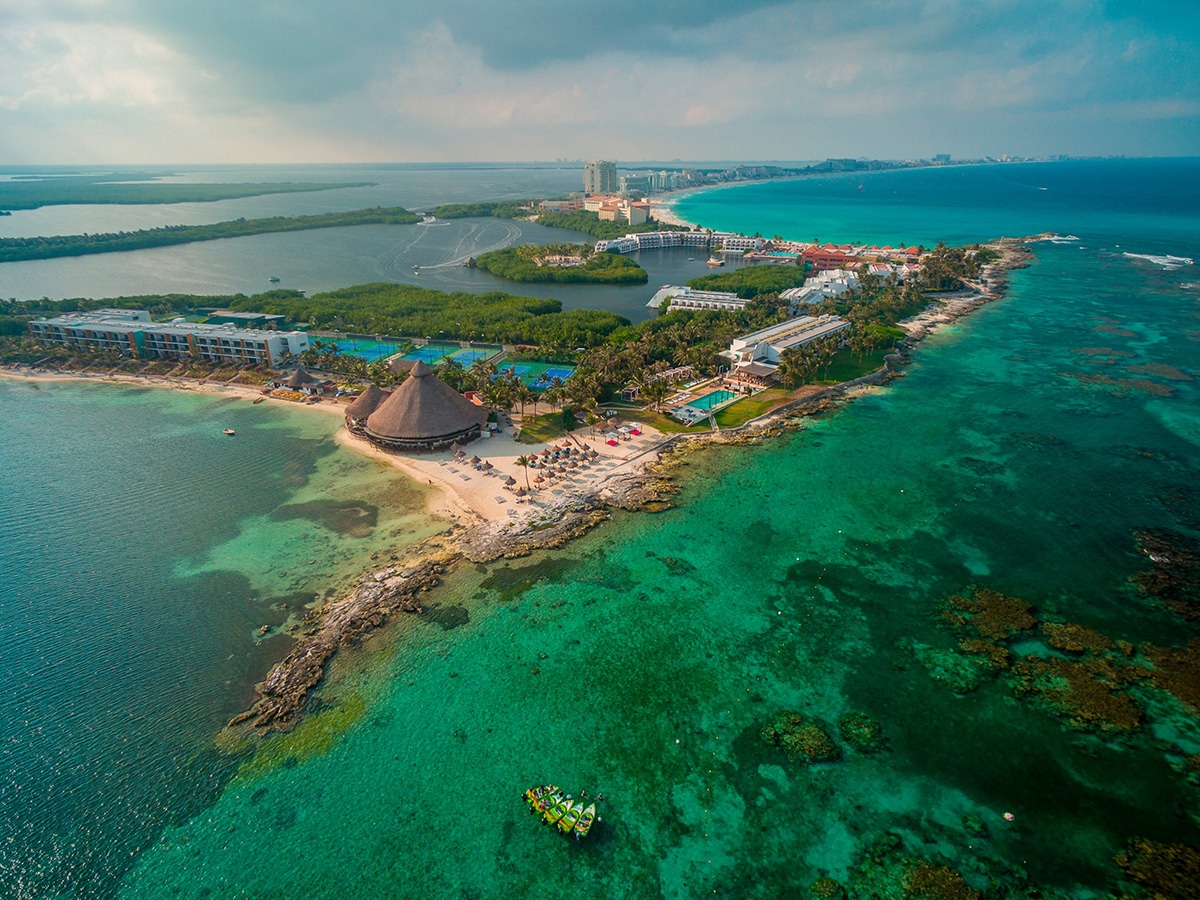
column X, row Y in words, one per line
column 362, row 406
column 424, row 413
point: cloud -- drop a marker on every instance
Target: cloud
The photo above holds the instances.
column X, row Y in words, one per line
column 468, row 79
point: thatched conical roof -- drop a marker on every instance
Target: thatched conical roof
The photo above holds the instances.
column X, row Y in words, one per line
column 299, row 378
column 366, row 402
column 424, row 409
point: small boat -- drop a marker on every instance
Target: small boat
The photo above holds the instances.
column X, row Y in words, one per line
column 584, row 825
column 537, row 793
column 547, row 802
column 691, row 259
column 259, row 399
column 274, row 279
column 557, row 811
column 567, row 823
column 715, row 261
column 229, row 431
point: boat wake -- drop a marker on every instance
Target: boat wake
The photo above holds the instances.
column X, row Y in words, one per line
column 1167, row 262
column 1059, row 239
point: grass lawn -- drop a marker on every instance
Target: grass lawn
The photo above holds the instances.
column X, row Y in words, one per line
column 846, row 366
column 541, row 429
column 752, row 407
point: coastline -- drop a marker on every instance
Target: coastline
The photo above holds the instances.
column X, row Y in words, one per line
column 485, row 524
column 646, row 484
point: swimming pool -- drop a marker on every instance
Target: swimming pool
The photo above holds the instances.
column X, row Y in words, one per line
column 708, row 401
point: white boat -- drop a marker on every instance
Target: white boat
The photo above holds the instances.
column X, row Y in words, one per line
column 715, row 261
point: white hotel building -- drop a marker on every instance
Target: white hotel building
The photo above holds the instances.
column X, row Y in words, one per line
column 132, row 333
column 758, row 353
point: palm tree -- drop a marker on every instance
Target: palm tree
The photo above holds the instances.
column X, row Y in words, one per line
column 523, row 462
column 656, row 392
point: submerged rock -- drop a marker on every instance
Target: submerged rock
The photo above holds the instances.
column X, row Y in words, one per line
column 862, row 733
column 801, row 737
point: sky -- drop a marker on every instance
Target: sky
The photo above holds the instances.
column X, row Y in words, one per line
column 279, row 81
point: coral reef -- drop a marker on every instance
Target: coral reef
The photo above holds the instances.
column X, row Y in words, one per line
column 994, row 616
column 1174, row 575
column 1164, row 871
column 1071, row 638
column 933, row 882
column 962, row 674
column 1177, row 671
column 827, row 889
column 862, row 733
column 996, row 656
column 1087, row 693
column 801, row 737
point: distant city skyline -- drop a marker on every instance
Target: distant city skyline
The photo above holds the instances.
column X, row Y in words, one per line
column 141, row 81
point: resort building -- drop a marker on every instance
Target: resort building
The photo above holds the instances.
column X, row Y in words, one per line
column 658, row 240
column 424, row 413
column 131, row 333
column 758, row 353
column 820, row 287
column 682, row 297
column 600, row 176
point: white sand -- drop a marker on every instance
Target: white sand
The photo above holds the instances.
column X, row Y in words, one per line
column 469, row 496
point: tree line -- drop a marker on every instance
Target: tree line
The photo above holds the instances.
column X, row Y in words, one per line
column 20, row 248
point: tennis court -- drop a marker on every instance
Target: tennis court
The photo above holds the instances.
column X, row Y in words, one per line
column 433, row 353
column 538, row 375
column 369, row 350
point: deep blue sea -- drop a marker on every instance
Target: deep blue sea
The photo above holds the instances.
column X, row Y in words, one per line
column 1027, row 451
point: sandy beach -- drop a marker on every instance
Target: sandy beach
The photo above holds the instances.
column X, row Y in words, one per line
column 465, row 495
column 470, row 495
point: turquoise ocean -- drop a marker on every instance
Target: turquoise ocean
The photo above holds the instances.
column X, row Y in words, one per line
column 1026, row 449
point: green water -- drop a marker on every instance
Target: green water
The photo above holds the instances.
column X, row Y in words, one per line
column 142, row 550
column 643, row 660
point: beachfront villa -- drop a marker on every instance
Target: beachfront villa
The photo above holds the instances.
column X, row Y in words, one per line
column 130, row 332
column 756, row 355
column 424, row 413
column 682, row 297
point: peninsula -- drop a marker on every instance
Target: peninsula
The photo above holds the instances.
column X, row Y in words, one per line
column 606, row 443
column 132, row 187
column 18, row 249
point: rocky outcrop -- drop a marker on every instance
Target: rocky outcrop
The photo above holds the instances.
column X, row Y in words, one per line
column 283, row 695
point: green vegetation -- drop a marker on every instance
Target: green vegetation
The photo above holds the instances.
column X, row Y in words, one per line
column 115, row 187
column 589, row 223
column 581, row 220
column 407, row 309
column 526, row 264
column 752, row 281
column 541, row 429
column 502, row 209
column 13, row 249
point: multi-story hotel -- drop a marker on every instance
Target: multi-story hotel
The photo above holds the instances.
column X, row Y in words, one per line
column 132, row 333
column 600, row 177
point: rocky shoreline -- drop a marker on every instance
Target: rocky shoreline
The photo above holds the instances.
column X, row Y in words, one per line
column 381, row 596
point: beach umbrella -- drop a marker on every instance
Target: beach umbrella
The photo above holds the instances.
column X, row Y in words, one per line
column 545, row 452
column 487, row 466
column 572, row 464
column 474, row 460
column 538, row 479
column 510, row 480
column 520, row 492
column 556, row 448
